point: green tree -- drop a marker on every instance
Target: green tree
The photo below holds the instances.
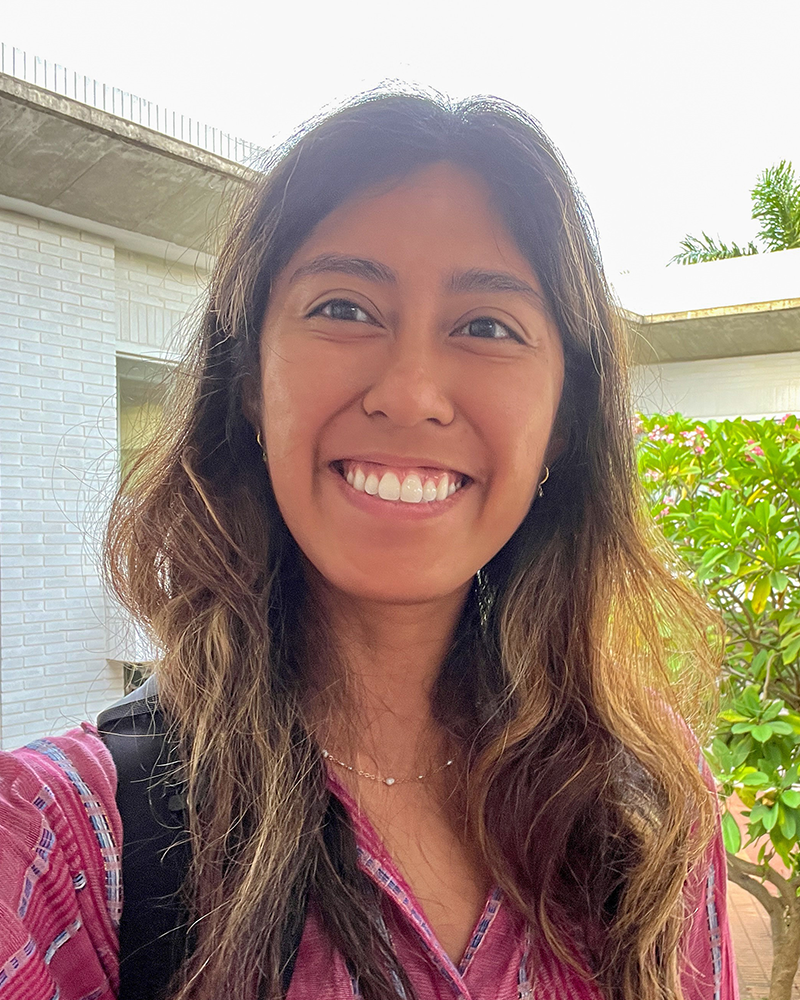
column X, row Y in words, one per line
column 776, row 206
column 727, row 496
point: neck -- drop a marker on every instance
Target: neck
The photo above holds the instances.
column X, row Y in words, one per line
column 391, row 656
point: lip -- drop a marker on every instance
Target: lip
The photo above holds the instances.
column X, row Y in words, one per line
column 395, row 510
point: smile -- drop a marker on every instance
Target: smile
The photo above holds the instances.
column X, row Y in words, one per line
column 400, row 485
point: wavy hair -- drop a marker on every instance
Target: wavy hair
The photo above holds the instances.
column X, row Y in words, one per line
column 591, row 659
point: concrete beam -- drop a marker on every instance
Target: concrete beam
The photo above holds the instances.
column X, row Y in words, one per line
column 75, row 159
column 724, row 332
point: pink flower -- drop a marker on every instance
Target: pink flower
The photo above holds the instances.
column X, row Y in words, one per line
column 754, row 449
column 668, row 502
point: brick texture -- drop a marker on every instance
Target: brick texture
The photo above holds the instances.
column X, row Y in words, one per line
column 66, row 302
column 764, row 385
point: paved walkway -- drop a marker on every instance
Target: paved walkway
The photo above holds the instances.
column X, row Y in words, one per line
column 752, row 943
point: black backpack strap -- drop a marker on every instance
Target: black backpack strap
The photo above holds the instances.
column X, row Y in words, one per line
column 153, row 933
column 155, row 852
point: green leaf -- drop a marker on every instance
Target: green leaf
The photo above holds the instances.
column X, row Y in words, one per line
column 761, row 595
column 733, row 560
column 788, row 825
column 731, row 835
column 789, row 624
column 782, row 728
column 779, row 581
column 729, row 715
column 742, row 727
column 789, row 654
column 763, row 732
column 755, row 778
column 770, row 817
column 772, row 711
column 791, row 798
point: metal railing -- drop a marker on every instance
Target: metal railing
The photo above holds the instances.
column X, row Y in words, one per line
column 60, row 80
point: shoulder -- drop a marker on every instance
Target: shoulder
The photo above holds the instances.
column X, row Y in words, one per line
column 60, row 894
column 71, row 781
column 77, row 758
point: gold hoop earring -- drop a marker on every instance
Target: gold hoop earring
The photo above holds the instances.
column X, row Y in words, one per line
column 546, row 477
column 261, row 446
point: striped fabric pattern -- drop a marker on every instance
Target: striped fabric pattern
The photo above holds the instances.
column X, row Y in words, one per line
column 60, row 887
column 60, row 900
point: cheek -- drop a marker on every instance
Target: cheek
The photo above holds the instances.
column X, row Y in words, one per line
column 518, row 430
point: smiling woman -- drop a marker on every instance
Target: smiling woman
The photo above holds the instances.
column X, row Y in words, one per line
column 408, row 368
column 432, row 689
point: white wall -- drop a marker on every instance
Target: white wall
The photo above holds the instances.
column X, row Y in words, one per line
column 156, row 301
column 69, row 301
column 57, row 457
column 761, row 385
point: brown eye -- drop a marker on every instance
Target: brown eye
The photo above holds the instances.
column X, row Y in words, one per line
column 343, row 309
column 487, row 328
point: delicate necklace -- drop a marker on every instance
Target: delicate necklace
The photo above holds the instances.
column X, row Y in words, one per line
column 376, row 777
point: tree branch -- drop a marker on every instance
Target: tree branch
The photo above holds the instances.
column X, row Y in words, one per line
column 741, row 872
column 784, row 886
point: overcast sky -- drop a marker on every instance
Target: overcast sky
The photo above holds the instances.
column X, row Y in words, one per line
column 666, row 112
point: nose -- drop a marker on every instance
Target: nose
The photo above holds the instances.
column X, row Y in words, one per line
column 411, row 387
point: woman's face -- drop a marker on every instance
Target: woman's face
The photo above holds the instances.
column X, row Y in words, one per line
column 410, row 379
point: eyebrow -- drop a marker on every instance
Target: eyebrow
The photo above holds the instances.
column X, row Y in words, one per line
column 473, row 280
column 478, row 280
column 359, row 267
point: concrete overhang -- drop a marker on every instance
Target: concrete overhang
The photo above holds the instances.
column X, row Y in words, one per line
column 81, row 162
column 725, row 332
column 723, row 309
column 86, row 168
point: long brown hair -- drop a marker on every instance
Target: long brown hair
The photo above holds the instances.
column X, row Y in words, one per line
column 582, row 663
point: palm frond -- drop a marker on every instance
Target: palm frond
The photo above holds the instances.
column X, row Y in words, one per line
column 776, row 205
column 698, row 249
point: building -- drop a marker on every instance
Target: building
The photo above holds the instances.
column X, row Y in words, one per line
column 106, row 240
column 107, row 232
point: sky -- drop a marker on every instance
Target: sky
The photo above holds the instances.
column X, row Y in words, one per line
column 665, row 112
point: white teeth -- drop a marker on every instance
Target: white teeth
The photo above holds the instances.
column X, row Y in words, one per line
column 411, row 490
column 389, row 487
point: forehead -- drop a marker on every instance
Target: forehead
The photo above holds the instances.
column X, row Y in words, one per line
column 437, row 218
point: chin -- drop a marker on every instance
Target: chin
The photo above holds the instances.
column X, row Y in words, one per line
column 394, row 588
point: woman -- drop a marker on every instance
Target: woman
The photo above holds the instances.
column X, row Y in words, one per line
column 429, row 677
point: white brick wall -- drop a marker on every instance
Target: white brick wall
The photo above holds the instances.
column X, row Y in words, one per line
column 57, row 462
column 156, row 299
column 69, row 301
column 156, row 303
column 765, row 385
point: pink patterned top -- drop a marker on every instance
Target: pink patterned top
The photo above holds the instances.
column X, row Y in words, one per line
column 61, row 899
